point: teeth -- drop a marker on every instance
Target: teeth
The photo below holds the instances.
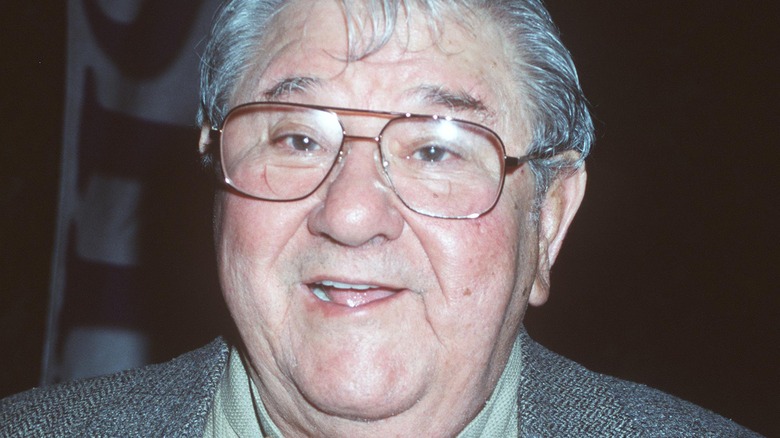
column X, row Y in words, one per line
column 321, row 289
column 337, row 285
column 319, row 293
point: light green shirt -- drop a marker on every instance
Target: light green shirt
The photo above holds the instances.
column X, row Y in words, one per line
column 238, row 411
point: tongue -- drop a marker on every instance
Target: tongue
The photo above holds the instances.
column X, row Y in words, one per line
column 351, row 298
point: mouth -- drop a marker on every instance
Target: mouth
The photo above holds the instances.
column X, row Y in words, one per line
column 349, row 294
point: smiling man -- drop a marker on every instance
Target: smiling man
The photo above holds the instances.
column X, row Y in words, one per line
column 398, row 178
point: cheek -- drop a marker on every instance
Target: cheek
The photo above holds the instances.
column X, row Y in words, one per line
column 475, row 264
column 484, row 251
column 479, row 306
column 235, row 244
column 485, row 267
column 255, row 229
column 251, row 240
column 251, row 237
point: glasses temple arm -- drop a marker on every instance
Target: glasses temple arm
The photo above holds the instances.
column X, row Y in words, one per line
column 512, row 163
column 214, row 135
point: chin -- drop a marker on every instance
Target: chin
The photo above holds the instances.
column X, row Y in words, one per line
column 364, row 407
column 370, row 387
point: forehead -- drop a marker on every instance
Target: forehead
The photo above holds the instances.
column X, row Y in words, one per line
column 467, row 57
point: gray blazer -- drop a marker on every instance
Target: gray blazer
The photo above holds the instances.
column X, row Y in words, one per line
column 558, row 398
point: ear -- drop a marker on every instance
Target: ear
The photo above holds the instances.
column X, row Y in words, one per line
column 557, row 211
column 205, row 140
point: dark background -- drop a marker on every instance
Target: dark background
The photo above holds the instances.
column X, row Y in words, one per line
column 669, row 273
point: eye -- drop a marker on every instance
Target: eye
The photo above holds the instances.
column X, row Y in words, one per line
column 297, row 143
column 432, row 154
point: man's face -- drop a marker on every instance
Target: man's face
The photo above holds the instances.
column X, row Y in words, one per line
column 422, row 350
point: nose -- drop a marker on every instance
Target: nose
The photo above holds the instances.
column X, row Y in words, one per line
column 358, row 206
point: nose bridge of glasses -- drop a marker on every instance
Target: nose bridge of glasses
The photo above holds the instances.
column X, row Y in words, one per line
column 362, row 128
column 362, row 125
column 372, row 143
column 354, row 137
column 359, row 138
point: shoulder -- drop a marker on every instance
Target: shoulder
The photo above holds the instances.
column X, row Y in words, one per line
column 559, row 397
column 172, row 398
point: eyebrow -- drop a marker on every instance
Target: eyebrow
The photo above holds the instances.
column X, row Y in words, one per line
column 289, row 86
column 455, row 100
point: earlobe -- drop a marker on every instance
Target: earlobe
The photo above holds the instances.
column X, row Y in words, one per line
column 557, row 212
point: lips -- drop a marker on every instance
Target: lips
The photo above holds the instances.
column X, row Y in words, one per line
column 349, row 294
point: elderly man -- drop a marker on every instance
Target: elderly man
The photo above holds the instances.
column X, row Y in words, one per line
column 398, row 179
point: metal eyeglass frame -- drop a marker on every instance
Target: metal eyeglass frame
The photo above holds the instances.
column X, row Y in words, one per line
column 508, row 164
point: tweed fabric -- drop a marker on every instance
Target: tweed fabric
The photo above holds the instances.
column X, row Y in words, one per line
column 560, row 398
column 557, row 398
column 170, row 399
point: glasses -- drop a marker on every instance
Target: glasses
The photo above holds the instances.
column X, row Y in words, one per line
column 437, row 166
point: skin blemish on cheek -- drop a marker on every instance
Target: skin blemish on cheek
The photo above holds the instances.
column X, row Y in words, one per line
column 467, row 292
column 478, row 225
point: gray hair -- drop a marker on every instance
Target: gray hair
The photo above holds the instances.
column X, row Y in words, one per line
column 554, row 104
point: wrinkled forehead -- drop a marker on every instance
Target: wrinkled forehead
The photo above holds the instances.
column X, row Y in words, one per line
column 355, row 29
column 305, row 32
